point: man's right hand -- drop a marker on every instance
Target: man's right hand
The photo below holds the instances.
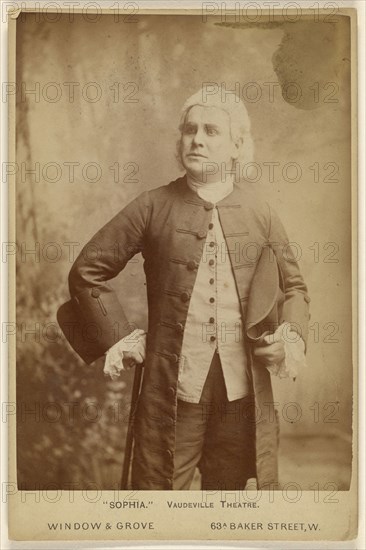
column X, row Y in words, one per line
column 136, row 355
column 125, row 354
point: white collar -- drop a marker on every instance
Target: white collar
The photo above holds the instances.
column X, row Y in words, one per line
column 211, row 192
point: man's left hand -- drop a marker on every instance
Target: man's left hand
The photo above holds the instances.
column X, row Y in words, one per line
column 282, row 352
column 270, row 354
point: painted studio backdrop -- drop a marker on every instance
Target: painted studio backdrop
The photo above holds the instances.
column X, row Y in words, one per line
column 97, row 114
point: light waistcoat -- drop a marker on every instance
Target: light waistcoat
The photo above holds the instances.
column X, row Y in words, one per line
column 214, row 318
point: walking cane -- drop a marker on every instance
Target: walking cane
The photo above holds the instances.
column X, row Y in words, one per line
column 129, row 438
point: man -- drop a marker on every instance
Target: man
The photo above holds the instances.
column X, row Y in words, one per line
column 226, row 306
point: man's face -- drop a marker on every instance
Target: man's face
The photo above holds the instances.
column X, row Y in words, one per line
column 206, row 144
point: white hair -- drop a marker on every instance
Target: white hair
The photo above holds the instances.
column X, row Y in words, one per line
column 229, row 102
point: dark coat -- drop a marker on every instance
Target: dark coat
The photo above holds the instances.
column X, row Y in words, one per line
column 168, row 226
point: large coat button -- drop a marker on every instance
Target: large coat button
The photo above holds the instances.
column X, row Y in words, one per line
column 175, row 358
column 208, row 206
column 184, row 296
column 179, row 327
column 201, row 234
column 191, row 265
column 95, row 292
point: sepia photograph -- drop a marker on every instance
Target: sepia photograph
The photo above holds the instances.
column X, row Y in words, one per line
column 184, row 260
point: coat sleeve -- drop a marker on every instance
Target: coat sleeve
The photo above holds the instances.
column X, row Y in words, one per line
column 98, row 317
column 295, row 309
